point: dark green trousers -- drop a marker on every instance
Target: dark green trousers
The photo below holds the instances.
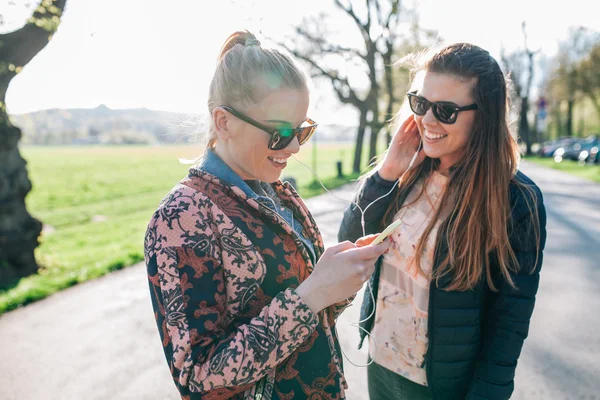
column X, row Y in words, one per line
column 387, row 385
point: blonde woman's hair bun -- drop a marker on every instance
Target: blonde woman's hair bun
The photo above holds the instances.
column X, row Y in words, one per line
column 243, row 38
column 253, row 42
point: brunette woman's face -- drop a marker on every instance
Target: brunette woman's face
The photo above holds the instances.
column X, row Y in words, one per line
column 446, row 142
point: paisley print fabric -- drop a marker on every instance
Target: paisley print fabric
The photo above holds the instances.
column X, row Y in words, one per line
column 222, row 269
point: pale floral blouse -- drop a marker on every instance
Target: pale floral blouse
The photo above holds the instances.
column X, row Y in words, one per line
column 399, row 338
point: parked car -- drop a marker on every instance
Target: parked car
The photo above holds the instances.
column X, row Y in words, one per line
column 572, row 151
column 548, row 148
column 591, row 156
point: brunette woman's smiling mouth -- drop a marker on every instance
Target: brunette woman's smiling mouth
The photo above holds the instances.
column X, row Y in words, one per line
column 433, row 137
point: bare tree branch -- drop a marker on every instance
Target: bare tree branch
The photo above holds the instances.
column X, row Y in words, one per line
column 380, row 31
column 530, row 54
column 521, row 64
column 513, row 68
column 328, row 48
column 368, row 24
column 350, row 11
column 340, row 84
column 379, row 15
column 394, row 13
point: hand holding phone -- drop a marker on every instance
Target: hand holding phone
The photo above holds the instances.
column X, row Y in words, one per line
column 340, row 272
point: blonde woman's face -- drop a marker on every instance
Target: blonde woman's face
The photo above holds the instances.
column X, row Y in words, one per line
column 446, row 142
column 248, row 146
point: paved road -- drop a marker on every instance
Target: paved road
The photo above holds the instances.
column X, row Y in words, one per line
column 98, row 340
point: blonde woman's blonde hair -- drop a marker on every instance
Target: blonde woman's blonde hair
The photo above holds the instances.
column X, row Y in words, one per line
column 246, row 72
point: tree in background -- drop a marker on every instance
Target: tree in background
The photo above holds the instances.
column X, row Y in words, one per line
column 379, row 25
column 398, row 74
column 520, row 64
column 566, row 84
column 19, row 231
column 589, row 74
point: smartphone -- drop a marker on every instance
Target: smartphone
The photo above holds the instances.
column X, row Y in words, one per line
column 387, row 232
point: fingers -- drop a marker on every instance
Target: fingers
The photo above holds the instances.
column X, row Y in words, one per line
column 365, row 241
column 407, row 126
column 368, row 252
column 412, row 126
column 407, row 123
column 408, row 133
column 413, row 132
column 341, row 247
column 381, row 248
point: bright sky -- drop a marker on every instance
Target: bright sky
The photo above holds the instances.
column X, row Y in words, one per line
column 161, row 55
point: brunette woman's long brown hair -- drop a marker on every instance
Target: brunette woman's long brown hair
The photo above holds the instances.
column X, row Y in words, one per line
column 478, row 188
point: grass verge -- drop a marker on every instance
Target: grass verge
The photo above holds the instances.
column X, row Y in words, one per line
column 95, row 204
column 586, row 171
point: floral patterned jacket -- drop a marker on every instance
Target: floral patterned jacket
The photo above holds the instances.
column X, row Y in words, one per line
column 222, row 268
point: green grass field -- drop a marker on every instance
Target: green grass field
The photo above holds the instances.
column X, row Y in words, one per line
column 95, row 203
column 591, row 172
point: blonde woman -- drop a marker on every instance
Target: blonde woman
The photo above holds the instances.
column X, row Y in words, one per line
column 245, row 296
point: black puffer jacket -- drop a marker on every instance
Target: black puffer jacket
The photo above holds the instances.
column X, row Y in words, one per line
column 475, row 337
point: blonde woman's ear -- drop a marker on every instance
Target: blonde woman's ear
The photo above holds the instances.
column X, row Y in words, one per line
column 221, row 123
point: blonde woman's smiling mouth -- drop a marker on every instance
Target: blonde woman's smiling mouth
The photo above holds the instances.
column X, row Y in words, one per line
column 278, row 162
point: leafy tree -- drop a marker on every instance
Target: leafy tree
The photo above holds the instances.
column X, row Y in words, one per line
column 566, row 81
column 589, row 75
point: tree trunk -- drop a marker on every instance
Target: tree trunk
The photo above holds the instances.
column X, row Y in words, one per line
column 372, row 144
column 372, row 101
column 558, row 121
column 570, row 105
column 524, row 133
column 389, row 86
column 388, row 135
column 375, row 128
column 535, row 132
column 19, row 231
column 360, row 136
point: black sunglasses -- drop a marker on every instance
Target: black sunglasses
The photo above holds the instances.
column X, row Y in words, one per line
column 280, row 137
column 446, row 112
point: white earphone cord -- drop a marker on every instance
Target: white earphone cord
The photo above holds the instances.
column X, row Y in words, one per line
column 362, row 223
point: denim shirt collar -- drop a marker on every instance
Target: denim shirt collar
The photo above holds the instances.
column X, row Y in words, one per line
column 214, row 165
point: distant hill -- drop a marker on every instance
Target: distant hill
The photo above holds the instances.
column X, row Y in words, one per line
column 102, row 125
column 107, row 126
